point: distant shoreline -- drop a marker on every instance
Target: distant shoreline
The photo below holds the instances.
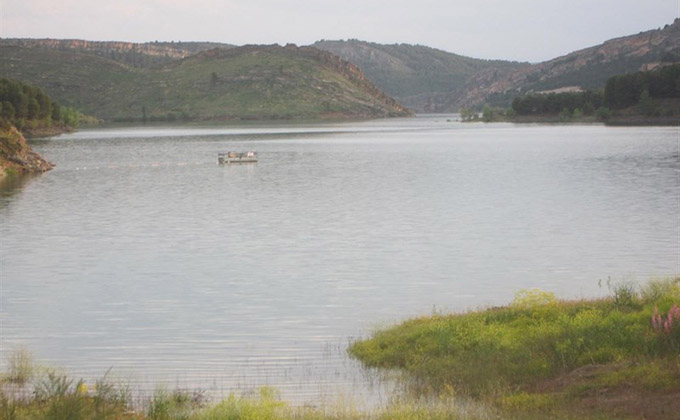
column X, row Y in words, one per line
column 615, row 121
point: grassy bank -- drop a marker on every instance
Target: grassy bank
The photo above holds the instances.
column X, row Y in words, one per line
column 537, row 358
column 618, row 356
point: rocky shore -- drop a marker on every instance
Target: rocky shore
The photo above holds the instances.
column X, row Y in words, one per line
column 17, row 157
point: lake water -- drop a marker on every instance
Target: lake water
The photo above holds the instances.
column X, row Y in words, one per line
column 139, row 253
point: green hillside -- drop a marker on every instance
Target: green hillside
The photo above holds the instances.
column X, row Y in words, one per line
column 415, row 74
column 252, row 82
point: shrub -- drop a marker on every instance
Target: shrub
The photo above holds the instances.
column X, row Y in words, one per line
column 625, row 295
column 531, row 298
column 603, row 113
column 658, row 290
column 20, row 367
column 61, row 399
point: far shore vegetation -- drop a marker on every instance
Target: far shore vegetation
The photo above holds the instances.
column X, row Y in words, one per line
column 641, row 98
column 33, row 112
column 538, row 357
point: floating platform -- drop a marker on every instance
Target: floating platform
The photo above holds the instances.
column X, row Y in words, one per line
column 236, row 157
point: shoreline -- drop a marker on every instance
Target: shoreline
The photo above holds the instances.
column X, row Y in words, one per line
column 614, row 121
column 591, row 386
column 17, row 157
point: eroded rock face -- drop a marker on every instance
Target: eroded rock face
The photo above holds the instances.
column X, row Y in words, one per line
column 16, row 156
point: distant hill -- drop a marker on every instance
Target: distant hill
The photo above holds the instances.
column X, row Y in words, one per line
column 422, row 78
column 129, row 53
column 251, row 82
column 584, row 69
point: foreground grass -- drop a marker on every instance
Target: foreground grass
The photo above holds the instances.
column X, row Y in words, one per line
column 59, row 398
column 615, row 358
column 541, row 354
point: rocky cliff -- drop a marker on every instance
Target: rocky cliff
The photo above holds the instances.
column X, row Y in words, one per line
column 17, row 157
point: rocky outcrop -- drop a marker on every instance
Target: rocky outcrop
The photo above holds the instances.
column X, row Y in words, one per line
column 129, row 53
column 17, row 157
column 588, row 68
column 353, row 73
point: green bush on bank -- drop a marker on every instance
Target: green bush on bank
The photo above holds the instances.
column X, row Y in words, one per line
column 535, row 338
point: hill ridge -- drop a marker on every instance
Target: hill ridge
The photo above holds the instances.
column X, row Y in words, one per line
column 587, row 68
column 417, row 75
column 134, row 54
column 250, row 82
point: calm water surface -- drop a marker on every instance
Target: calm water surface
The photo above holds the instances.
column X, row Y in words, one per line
column 139, row 253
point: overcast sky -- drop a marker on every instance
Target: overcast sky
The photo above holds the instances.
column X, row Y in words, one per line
column 524, row 30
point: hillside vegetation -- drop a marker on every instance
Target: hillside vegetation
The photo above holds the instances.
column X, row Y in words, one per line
column 584, row 69
column 430, row 80
column 420, row 77
column 252, row 82
column 29, row 108
column 640, row 98
column 423, row 79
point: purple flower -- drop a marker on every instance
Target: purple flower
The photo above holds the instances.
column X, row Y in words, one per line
column 660, row 325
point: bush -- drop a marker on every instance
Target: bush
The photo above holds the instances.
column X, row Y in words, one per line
column 531, row 298
column 625, row 295
column 20, row 368
column 603, row 113
column 658, row 290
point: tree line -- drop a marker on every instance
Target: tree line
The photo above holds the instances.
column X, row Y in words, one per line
column 22, row 104
column 554, row 103
column 620, row 92
column 628, row 89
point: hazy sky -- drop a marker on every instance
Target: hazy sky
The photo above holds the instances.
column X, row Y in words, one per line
column 526, row 30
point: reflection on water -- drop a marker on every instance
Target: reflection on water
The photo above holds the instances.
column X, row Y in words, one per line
column 11, row 185
column 138, row 252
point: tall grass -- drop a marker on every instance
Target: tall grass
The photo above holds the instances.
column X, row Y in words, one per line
column 20, row 367
column 55, row 396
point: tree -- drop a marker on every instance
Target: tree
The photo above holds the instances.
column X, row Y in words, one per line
column 56, row 112
column 33, row 109
column 588, row 108
column 8, row 112
column 44, row 105
column 646, row 104
column 564, row 115
column 467, row 114
column 603, row 113
column 487, row 114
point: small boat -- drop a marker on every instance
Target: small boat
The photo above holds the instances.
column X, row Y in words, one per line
column 236, row 157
